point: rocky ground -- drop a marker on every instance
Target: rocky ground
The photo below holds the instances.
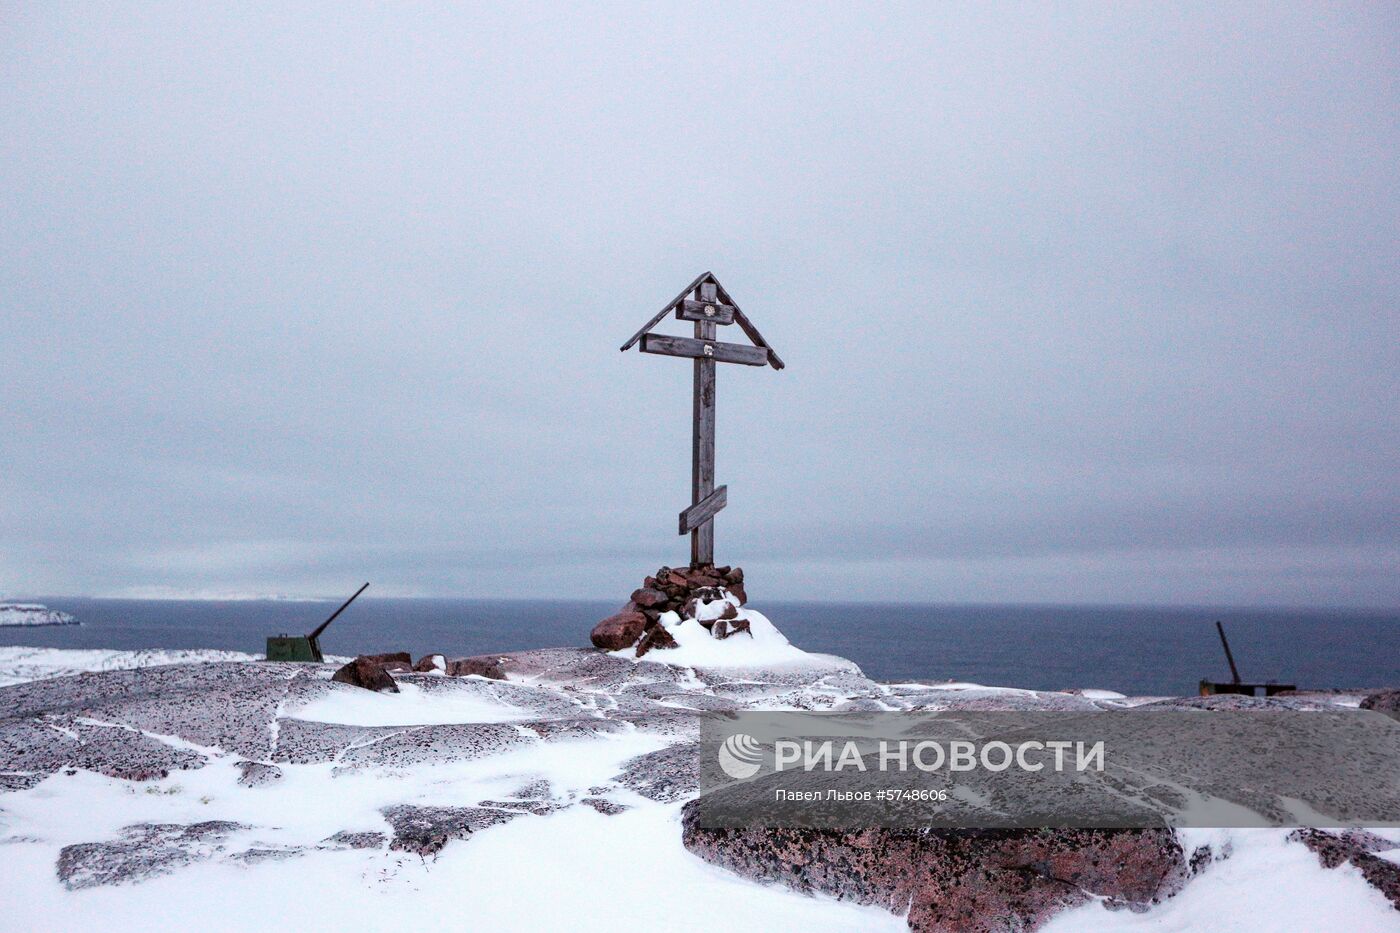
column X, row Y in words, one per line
column 551, row 789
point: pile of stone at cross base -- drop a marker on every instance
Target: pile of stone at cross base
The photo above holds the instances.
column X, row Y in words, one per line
column 685, row 591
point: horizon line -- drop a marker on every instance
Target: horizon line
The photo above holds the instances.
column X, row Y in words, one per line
column 931, row 603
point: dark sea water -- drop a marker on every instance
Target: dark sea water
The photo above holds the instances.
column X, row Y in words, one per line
column 1132, row 650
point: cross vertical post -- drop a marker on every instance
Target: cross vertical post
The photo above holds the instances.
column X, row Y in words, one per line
column 702, row 459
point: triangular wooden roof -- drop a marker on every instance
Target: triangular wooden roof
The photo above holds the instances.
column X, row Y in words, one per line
column 739, row 318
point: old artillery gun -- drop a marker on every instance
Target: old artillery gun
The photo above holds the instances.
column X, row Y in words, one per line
column 1213, row 688
column 286, row 647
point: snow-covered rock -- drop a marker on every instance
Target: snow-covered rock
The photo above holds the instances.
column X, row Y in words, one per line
column 208, row 779
column 33, row 614
column 158, row 779
column 20, row 663
column 761, row 645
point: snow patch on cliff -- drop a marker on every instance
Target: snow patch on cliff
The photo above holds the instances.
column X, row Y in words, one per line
column 32, row 614
column 19, row 663
column 411, row 706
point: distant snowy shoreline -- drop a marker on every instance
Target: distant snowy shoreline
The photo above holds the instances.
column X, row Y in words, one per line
column 162, row 594
column 21, row 664
column 32, row 615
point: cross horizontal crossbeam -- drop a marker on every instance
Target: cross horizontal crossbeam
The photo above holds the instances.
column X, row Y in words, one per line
column 704, row 349
column 703, row 311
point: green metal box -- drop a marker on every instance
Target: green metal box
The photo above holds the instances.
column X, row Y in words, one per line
column 292, row 648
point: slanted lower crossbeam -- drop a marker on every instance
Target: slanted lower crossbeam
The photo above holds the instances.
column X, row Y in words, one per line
column 704, row 510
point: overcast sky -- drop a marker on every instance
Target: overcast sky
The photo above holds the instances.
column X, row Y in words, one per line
column 1089, row 303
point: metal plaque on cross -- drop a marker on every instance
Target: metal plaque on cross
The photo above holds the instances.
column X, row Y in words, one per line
column 705, row 303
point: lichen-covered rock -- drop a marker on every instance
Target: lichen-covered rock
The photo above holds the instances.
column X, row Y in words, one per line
column 579, row 727
column 439, row 744
column 45, row 744
column 666, row 775
column 578, row 669
column 346, row 839
column 20, row 781
column 302, row 742
column 425, row 830
column 536, row 807
column 258, row 774
column 143, row 851
column 478, row 666
column 1237, row 701
column 1386, row 701
column 259, row 854
column 955, row 881
column 225, row 705
column 603, row 805
column 531, row 700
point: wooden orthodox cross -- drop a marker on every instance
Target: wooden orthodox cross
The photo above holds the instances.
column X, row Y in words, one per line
column 708, row 305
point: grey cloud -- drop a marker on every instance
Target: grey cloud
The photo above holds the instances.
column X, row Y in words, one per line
column 1078, row 301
